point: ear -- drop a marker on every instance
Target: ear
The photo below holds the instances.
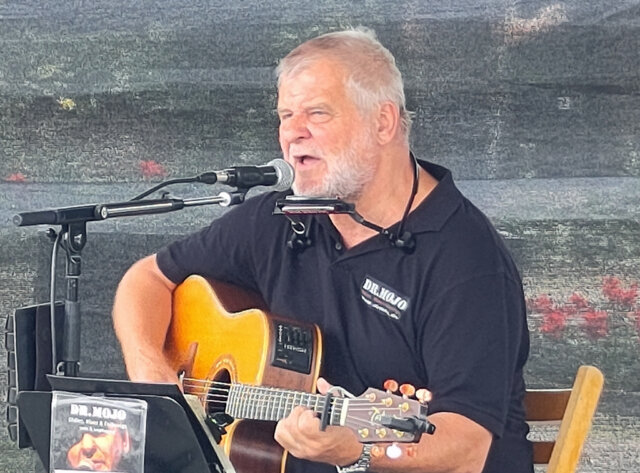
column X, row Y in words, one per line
column 388, row 122
column 126, row 441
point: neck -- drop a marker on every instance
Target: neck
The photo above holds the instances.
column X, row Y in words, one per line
column 273, row 404
column 385, row 198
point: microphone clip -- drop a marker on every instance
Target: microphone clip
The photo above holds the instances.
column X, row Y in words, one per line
column 299, row 239
column 406, row 242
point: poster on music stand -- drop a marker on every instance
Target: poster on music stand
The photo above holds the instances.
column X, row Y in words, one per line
column 96, row 433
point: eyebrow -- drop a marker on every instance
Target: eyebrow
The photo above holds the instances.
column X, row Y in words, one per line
column 310, row 107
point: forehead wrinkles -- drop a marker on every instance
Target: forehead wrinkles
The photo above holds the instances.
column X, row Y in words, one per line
column 318, row 80
column 301, row 98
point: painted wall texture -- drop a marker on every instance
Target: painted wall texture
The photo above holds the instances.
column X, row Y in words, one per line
column 534, row 106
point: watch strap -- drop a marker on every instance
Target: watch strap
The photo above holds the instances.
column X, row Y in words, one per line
column 361, row 464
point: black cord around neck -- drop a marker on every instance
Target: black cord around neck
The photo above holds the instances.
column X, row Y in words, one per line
column 300, row 239
column 405, row 239
column 402, row 240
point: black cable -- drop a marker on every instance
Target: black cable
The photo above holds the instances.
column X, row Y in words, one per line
column 403, row 240
column 182, row 180
column 52, row 304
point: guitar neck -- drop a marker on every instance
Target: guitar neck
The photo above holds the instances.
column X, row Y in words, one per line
column 263, row 403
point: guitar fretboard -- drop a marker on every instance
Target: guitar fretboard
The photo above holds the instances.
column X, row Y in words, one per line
column 262, row 403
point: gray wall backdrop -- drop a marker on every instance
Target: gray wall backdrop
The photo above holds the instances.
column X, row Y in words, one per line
column 534, row 105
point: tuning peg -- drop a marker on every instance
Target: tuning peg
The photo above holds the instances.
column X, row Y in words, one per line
column 423, row 395
column 377, row 451
column 391, row 385
column 407, row 390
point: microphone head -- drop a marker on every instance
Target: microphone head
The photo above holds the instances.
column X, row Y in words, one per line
column 285, row 174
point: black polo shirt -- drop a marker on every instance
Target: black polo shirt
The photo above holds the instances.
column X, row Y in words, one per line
column 449, row 317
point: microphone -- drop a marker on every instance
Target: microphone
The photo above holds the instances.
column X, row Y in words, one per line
column 276, row 173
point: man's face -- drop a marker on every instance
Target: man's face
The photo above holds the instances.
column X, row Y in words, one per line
column 98, row 451
column 323, row 135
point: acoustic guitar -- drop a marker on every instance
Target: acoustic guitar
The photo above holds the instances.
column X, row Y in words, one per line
column 250, row 364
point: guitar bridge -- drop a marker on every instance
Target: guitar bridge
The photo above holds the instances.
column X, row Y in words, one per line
column 293, row 347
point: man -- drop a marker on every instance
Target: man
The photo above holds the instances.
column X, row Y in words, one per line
column 99, row 451
column 453, row 320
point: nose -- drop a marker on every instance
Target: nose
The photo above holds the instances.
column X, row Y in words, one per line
column 88, row 445
column 294, row 128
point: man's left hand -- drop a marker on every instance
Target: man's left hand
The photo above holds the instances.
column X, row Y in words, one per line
column 300, row 434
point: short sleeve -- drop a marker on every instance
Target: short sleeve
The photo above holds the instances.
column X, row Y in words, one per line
column 470, row 347
column 223, row 250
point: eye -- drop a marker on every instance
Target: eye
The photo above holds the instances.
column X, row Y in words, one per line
column 284, row 115
column 318, row 115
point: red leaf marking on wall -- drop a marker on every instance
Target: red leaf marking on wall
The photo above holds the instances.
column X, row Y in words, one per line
column 614, row 291
column 554, row 323
column 16, row 177
column 596, row 323
column 542, row 303
column 152, row 168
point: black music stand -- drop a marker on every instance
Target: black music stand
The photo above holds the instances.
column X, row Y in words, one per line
column 177, row 438
column 29, row 356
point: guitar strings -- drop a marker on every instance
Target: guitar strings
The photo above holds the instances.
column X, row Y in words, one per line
column 225, row 387
column 337, row 407
column 256, row 392
column 222, row 388
column 203, row 383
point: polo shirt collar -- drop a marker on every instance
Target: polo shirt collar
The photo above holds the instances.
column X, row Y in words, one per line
column 434, row 211
column 430, row 216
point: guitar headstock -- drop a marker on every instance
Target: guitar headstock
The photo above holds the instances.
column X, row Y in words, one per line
column 379, row 416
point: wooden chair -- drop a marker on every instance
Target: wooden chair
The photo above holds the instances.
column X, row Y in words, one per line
column 574, row 409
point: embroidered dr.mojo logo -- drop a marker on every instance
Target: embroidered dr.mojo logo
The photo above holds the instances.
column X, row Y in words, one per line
column 384, row 299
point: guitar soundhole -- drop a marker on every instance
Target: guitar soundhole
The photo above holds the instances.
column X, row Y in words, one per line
column 218, row 391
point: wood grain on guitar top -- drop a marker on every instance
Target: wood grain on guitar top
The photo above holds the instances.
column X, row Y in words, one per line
column 221, row 333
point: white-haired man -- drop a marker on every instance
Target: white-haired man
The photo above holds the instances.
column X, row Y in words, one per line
column 454, row 319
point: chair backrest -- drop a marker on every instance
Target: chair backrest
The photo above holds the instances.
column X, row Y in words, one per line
column 574, row 409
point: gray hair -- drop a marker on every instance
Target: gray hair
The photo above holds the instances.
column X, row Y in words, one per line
column 372, row 74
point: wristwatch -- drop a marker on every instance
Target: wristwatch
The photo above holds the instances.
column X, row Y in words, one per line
column 361, row 464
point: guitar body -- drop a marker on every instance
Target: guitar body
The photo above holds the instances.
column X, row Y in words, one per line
column 221, row 333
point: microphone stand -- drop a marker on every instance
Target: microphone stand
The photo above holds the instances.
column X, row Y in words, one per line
column 73, row 238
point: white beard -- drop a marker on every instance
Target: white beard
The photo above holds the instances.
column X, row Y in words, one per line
column 347, row 172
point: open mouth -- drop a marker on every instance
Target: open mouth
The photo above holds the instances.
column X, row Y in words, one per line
column 304, row 159
column 95, row 465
